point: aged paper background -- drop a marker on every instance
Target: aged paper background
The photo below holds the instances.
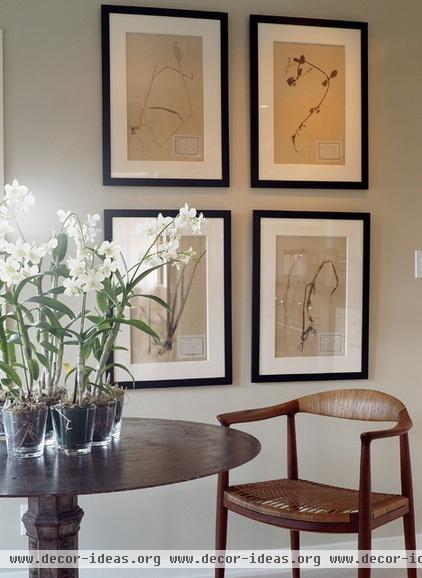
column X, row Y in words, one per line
column 310, row 319
column 165, row 104
column 183, row 331
column 318, row 137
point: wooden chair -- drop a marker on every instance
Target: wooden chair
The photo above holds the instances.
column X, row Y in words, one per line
column 301, row 505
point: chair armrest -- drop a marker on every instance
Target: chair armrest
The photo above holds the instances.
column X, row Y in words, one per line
column 248, row 415
column 403, row 426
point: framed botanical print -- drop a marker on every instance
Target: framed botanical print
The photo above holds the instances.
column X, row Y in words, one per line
column 310, row 295
column 195, row 333
column 309, row 103
column 165, row 97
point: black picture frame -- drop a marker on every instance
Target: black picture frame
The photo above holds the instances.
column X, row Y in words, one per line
column 256, row 368
column 221, row 180
column 226, row 309
column 262, row 181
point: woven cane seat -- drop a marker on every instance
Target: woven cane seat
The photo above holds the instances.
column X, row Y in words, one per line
column 307, row 501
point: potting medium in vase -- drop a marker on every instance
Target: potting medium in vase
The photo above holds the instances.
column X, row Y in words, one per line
column 73, row 428
column 104, row 422
column 25, row 432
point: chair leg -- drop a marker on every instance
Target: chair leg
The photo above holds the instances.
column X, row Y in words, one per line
column 410, row 539
column 364, row 544
column 221, row 521
column 365, row 511
column 295, row 545
column 407, row 490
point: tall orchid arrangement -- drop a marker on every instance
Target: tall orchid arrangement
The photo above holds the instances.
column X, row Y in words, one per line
column 30, row 312
column 101, row 269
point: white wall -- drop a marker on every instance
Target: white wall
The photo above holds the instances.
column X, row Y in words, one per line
column 53, row 143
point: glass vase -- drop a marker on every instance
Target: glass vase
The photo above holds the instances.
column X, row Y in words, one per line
column 104, row 422
column 73, row 428
column 25, row 433
column 117, row 427
column 2, row 434
column 51, row 400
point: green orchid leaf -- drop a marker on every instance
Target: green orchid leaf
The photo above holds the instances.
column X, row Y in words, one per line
column 54, row 321
column 55, row 291
column 142, row 275
column 122, row 367
column 49, row 346
column 97, row 350
column 11, row 373
column 154, row 298
column 69, row 373
column 59, row 253
column 102, row 302
column 58, row 332
column 22, row 284
column 42, row 359
column 96, row 319
column 52, row 304
column 86, row 349
column 138, row 324
column 11, row 354
column 12, row 391
column 34, row 368
column 28, row 315
column 110, row 292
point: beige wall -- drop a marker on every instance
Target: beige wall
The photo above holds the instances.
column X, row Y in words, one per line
column 53, row 143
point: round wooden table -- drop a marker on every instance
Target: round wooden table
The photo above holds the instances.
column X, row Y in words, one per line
column 149, row 453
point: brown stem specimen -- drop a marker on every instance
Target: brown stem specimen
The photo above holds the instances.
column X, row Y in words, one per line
column 326, row 82
column 178, row 302
column 134, row 130
column 308, row 322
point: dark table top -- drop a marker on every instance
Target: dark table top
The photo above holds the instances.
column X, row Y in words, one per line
column 150, row 452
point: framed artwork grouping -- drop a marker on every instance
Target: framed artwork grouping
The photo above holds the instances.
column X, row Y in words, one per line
column 165, row 123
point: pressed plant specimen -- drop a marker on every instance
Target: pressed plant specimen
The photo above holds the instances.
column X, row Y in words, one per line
column 157, row 130
column 179, row 296
column 176, row 285
column 308, row 321
column 303, row 67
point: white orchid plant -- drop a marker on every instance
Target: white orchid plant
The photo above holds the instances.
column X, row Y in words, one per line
column 28, row 309
column 39, row 281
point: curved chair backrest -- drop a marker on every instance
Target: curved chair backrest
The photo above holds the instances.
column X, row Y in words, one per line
column 358, row 404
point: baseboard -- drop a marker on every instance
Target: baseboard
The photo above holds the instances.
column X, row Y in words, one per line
column 392, row 543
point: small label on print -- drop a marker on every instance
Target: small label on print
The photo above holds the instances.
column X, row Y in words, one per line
column 186, row 145
column 191, row 345
column 329, row 151
column 331, row 343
